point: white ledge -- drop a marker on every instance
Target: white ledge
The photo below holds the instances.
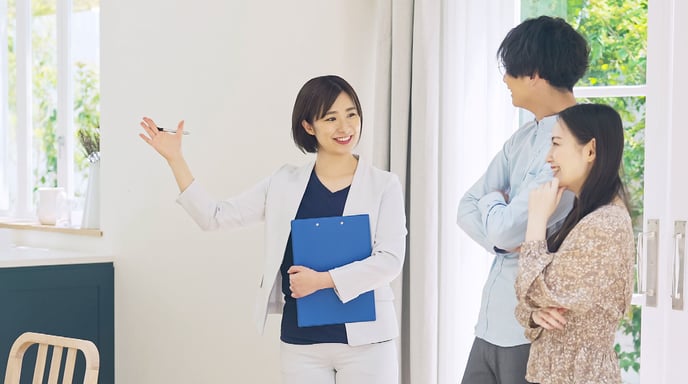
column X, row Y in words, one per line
column 20, row 256
column 34, row 226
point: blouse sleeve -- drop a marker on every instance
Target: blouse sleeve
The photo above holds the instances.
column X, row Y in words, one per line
column 524, row 307
column 593, row 259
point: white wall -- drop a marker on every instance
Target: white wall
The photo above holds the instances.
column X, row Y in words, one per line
column 231, row 69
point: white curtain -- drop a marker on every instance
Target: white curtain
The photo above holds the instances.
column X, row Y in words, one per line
column 441, row 94
column 477, row 118
column 421, row 303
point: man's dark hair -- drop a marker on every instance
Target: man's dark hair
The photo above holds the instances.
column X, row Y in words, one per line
column 547, row 46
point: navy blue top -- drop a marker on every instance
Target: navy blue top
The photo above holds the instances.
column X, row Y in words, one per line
column 317, row 201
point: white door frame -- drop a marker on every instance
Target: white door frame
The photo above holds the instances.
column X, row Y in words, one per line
column 664, row 330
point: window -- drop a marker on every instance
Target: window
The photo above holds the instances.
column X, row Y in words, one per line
column 49, row 90
column 617, row 33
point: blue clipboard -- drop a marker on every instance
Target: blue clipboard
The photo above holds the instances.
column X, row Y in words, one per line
column 325, row 243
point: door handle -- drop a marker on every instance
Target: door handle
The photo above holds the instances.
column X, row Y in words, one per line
column 647, row 251
column 639, row 262
column 678, row 265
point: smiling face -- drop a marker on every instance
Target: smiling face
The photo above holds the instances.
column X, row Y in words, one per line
column 570, row 160
column 339, row 129
column 520, row 88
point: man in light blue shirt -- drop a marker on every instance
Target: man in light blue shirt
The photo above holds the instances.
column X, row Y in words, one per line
column 543, row 59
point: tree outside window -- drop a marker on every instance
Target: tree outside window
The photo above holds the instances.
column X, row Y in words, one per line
column 617, row 33
column 45, row 76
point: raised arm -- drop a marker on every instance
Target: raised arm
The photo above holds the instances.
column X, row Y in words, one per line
column 169, row 146
column 209, row 213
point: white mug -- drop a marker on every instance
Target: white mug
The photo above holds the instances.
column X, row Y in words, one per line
column 52, row 205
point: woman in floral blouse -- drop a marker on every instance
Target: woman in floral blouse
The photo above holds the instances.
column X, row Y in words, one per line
column 575, row 285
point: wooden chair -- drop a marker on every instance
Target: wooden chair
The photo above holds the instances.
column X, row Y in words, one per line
column 58, row 343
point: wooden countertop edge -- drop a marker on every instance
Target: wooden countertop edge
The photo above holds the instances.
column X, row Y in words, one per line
column 28, row 226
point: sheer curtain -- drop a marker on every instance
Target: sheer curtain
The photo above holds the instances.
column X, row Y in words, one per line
column 477, row 117
column 448, row 112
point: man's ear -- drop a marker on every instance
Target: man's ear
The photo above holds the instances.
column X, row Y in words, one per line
column 308, row 127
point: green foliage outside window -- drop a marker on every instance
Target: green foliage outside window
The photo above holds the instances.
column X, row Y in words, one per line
column 632, row 111
column 44, row 87
column 86, row 89
column 617, row 33
column 86, row 110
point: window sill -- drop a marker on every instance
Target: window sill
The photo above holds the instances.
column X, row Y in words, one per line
column 35, row 226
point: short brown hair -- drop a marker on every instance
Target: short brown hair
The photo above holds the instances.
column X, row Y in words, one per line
column 312, row 103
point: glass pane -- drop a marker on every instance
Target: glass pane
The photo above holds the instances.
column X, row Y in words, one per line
column 615, row 29
column 535, row 8
column 85, row 77
column 8, row 110
column 86, row 86
column 632, row 111
column 44, row 93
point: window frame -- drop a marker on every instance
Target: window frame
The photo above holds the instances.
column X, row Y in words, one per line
column 599, row 91
column 23, row 190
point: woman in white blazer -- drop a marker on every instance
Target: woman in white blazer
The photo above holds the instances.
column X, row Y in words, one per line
column 327, row 121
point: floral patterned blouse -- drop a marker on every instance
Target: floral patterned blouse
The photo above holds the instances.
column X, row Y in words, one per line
column 591, row 275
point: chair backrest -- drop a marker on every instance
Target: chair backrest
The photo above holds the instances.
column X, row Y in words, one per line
column 58, row 343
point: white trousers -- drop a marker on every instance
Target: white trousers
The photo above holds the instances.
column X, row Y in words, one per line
column 332, row 363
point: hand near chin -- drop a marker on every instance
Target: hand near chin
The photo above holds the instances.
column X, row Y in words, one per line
column 543, row 200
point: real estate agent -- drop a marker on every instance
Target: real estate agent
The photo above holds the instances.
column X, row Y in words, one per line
column 327, row 121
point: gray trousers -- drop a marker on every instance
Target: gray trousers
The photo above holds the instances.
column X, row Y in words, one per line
column 491, row 364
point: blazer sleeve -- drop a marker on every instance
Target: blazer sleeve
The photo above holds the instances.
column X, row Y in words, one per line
column 591, row 264
column 388, row 249
column 210, row 214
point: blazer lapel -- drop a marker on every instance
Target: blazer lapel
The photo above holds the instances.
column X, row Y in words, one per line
column 291, row 190
column 356, row 200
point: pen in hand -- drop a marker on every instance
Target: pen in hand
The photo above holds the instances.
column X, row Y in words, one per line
column 161, row 129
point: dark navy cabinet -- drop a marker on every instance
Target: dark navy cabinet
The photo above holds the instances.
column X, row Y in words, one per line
column 73, row 300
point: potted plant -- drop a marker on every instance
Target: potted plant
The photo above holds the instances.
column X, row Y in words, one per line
column 89, row 138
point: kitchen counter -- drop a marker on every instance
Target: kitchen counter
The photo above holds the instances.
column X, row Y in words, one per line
column 59, row 292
